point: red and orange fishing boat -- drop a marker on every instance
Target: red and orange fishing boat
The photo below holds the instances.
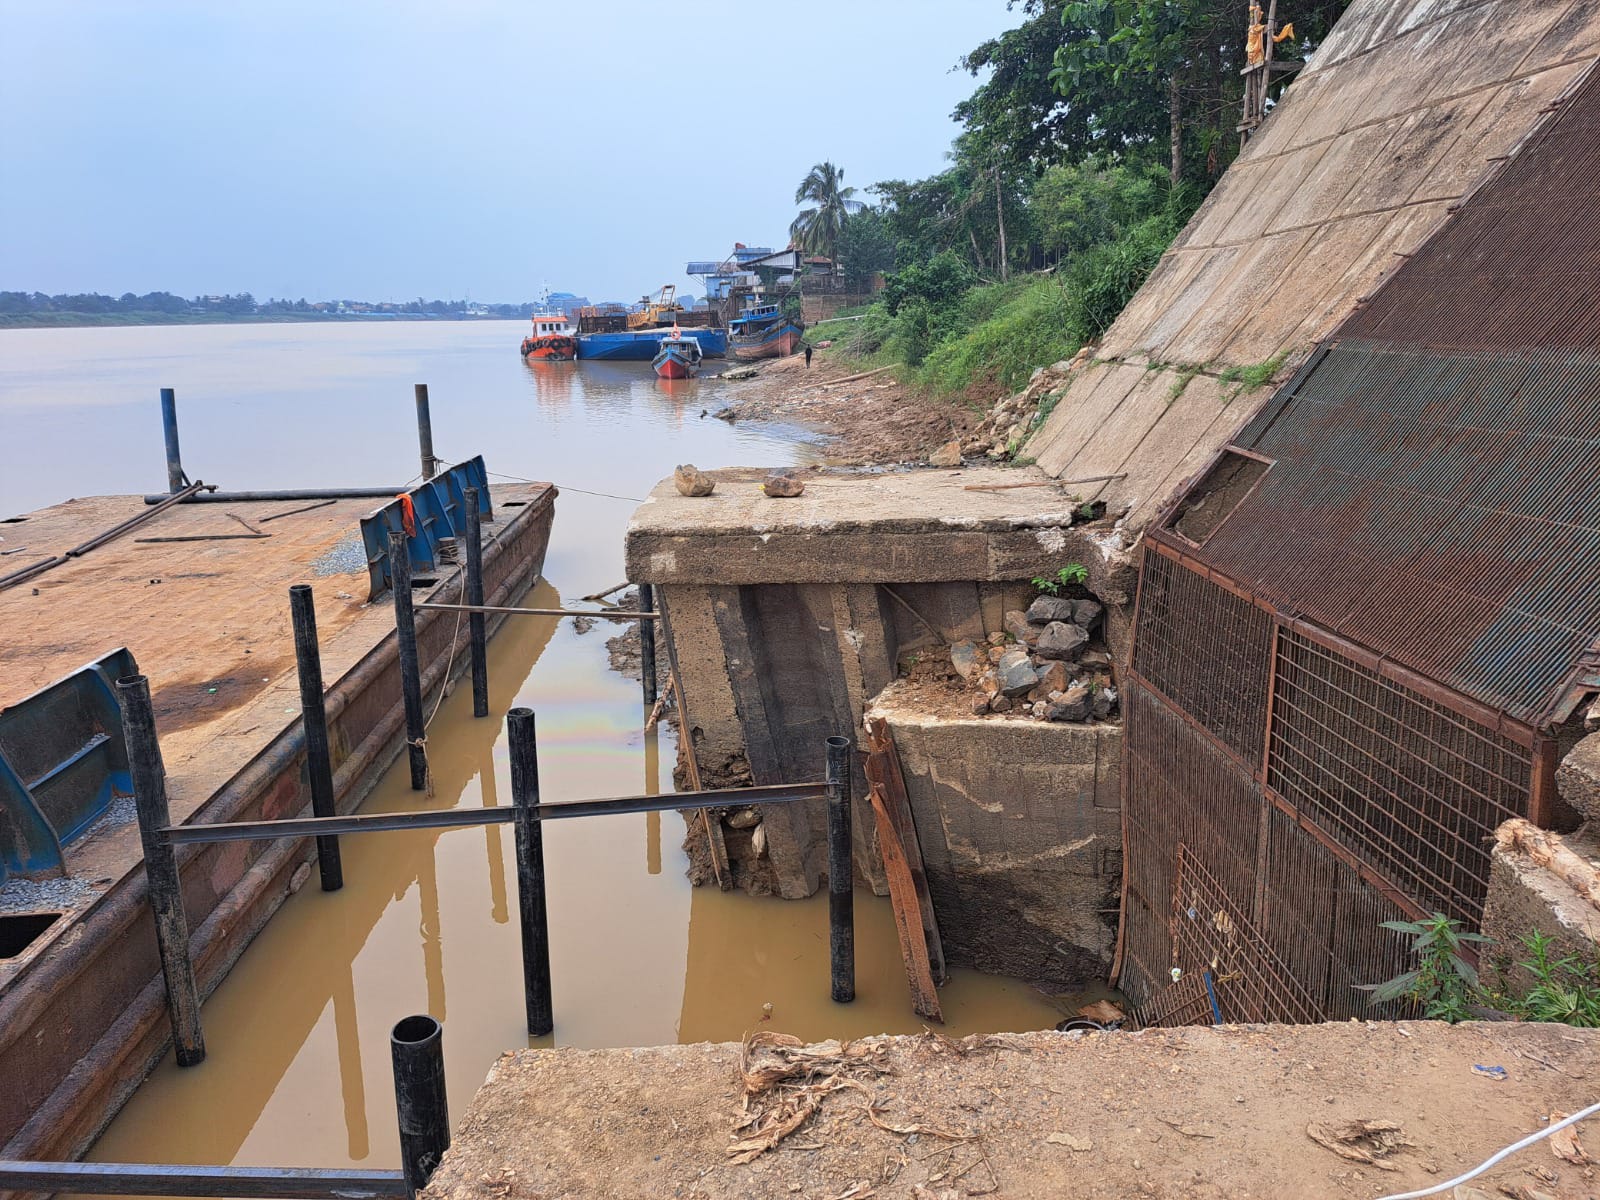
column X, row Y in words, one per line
column 553, row 338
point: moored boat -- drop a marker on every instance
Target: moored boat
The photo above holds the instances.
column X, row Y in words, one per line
column 678, row 358
column 641, row 345
column 764, row 332
column 553, row 337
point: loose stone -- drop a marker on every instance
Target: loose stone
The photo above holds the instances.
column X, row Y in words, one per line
column 1085, row 612
column 1050, row 608
column 1017, row 625
column 690, row 480
column 780, row 484
column 964, row 657
column 745, row 818
column 947, row 455
column 1060, row 640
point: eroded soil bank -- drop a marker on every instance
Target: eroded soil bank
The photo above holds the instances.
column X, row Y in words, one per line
column 871, row 419
column 1195, row 1113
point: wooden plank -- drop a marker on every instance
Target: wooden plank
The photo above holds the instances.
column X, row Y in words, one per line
column 903, row 897
column 715, row 843
column 883, row 766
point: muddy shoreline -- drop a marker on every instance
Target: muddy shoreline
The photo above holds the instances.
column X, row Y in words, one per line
column 873, row 420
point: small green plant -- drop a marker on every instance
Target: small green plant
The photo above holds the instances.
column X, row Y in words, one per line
column 1086, row 511
column 1185, row 376
column 1250, row 376
column 1444, row 985
column 1564, row 989
column 1069, row 574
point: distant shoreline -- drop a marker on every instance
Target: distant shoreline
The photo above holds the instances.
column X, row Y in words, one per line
column 62, row 320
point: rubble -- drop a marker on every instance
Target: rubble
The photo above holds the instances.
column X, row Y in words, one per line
column 1003, row 432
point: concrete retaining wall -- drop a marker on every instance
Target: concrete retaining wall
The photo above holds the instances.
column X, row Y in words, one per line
column 1020, row 824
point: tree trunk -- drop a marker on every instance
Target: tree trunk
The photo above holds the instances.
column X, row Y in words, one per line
column 1175, row 105
column 976, row 253
column 1000, row 216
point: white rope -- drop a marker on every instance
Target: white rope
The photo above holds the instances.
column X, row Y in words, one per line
column 1495, row 1158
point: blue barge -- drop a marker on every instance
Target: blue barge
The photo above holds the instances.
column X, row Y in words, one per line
column 642, row 345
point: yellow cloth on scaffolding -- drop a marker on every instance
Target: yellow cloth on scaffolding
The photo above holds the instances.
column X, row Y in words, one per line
column 1286, row 32
column 1255, row 45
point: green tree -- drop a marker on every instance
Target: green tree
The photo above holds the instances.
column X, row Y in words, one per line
column 866, row 247
column 817, row 228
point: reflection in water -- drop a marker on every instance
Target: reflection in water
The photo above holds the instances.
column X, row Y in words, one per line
column 300, row 1027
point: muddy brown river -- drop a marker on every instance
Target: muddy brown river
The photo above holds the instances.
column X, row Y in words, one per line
column 298, row 1069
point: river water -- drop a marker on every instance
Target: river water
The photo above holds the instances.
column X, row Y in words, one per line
column 298, row 1068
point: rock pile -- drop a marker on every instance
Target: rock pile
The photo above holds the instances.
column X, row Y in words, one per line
column 1003, row 431
column 1043, row 664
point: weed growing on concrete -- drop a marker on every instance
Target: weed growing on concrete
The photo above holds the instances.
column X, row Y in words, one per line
column 1069, row 574
column 1564, row 989
column 1248, row 377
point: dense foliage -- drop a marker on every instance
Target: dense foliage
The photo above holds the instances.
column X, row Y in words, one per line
column 36, row 308
column 1095, row 131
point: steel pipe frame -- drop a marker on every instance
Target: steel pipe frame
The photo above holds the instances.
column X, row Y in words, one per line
column 464, row 818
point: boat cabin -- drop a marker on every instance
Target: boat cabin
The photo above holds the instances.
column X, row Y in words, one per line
column 551, row 325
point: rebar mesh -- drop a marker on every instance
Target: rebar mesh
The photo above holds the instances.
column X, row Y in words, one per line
column 1206, row 650
column 1407, row 786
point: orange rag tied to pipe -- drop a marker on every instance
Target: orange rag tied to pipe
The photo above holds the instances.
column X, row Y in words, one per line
column 408, row 514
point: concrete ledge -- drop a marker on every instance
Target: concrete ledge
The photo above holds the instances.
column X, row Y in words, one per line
column 1199, row 1112
column 901, row 527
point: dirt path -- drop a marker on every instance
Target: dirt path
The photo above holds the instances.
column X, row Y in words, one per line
column 1188, row 1114
column 871, row 420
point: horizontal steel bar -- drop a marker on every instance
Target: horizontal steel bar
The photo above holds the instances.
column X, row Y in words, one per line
column 354, row 493
column 161, row 1179
column 608, row 614
column 460, row 818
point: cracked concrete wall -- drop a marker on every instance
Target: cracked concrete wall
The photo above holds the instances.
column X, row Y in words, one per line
column 1021, row 831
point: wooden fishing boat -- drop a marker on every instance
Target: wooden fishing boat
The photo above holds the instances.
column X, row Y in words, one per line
column 764, row 332
column 678, row 358
column 553, row 338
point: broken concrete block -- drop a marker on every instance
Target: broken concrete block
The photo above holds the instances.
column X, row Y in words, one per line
column 1050, row 608
column 1060, row 640
column 690, row 480
column 1017, row 625
column 781, row 484
column 964, row 658
column 947, row 455
column 1086, row 612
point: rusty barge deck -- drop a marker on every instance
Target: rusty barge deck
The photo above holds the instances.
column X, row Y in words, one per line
column 81, row 1005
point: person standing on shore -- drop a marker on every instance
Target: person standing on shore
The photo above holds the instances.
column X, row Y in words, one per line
column 808, row 356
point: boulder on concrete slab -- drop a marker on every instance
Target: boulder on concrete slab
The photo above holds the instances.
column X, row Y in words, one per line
column 964, row 658
column 1039, row 708
column 1073, row 706
column 1016, row 674
column 1060, row 640
column 980, row 706
column 947, row 455
column 690, row 480
column 1085, row 612
column 1050, row 608
column 1095, row 658
column 781, row 484
column 1000, row 704
column 1017, row 625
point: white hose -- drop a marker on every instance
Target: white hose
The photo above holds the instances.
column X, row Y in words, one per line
column 1494, row 1158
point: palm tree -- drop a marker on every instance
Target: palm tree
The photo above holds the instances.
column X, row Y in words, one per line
column 816, row 230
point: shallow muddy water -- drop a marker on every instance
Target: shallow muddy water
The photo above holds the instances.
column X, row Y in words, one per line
column 298, row 1069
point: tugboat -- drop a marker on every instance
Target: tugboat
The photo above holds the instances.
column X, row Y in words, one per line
column 763, row 332
column 552, row 339
column 678, row 358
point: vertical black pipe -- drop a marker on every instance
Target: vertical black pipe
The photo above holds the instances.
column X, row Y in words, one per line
column 841, row 875
column 430, row 464
column 417, row 1047
column 405, row 624
column 475, row 621
column 530, row 871
column 647, row 643
column 161, row 868
column 169, row 430
column 314, row 719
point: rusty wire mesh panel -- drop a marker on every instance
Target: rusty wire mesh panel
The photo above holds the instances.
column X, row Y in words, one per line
column 1212, row 931
column 1325, row 924
column 1407, row 786
column 1181, row 790
column 1206, row 649
column 1184, row 1002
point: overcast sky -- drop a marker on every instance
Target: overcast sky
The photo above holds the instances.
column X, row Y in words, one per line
column 447, row 148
